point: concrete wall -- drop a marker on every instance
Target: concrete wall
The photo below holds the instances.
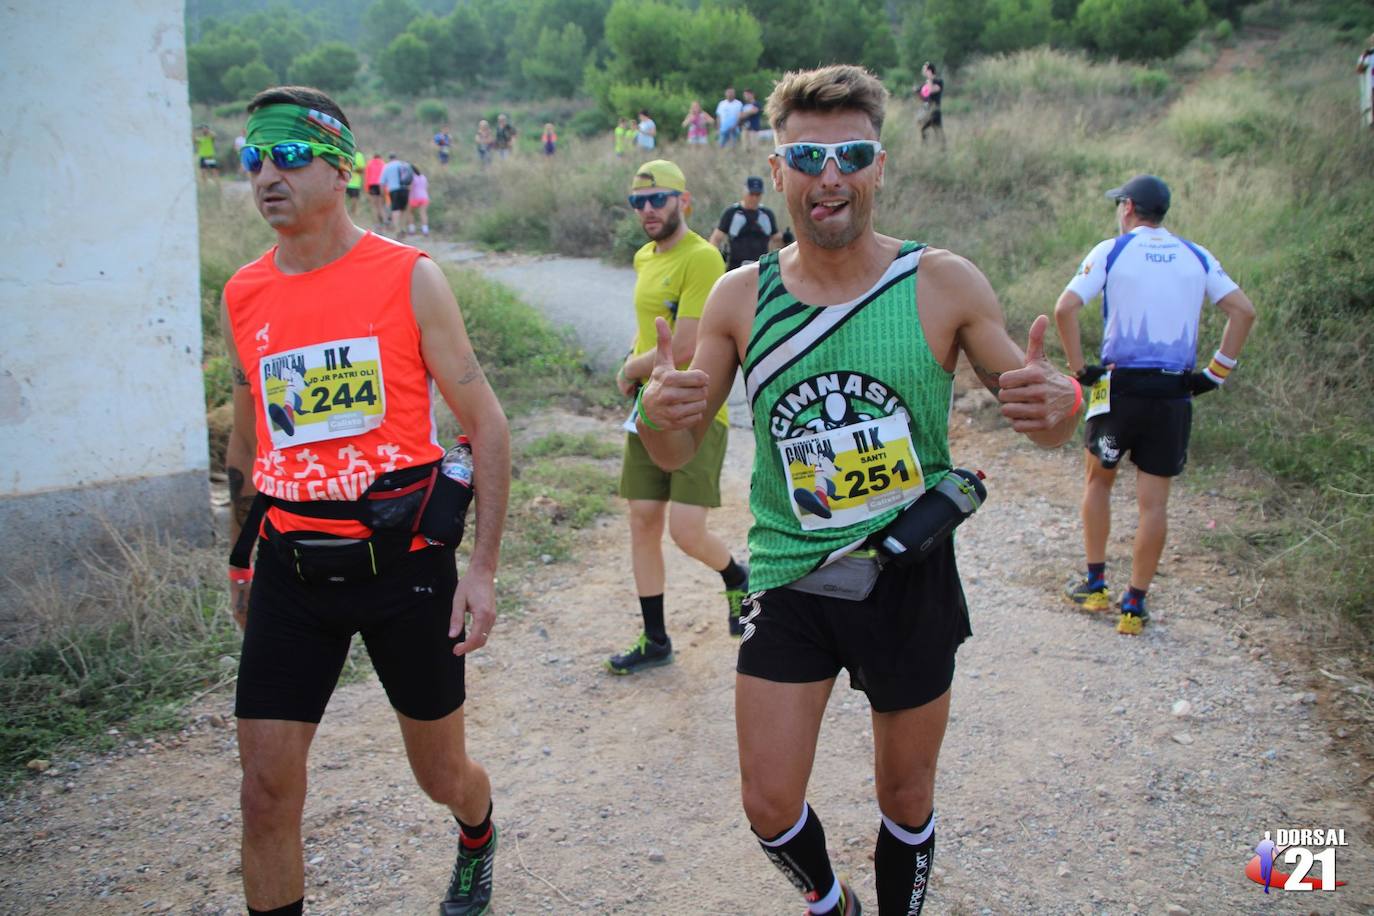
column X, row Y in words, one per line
column 101, row 397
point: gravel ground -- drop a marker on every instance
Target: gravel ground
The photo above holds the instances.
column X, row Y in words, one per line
column 1083, row 772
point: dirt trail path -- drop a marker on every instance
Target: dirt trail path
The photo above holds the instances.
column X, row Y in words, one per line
column 1067, row 782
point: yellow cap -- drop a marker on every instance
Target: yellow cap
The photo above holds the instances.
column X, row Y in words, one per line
column 660, row 173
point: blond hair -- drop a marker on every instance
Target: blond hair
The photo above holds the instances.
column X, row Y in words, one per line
column 839, row 87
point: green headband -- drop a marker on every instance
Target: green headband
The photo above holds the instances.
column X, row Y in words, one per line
column 277, row 123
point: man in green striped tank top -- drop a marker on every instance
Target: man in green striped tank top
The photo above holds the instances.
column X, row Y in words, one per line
column 848, row 352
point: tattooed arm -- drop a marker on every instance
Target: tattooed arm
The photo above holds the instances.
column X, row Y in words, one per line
column 239, row 455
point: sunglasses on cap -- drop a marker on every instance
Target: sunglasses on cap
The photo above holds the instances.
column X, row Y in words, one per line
column 810, row 158
column 658, row 199
column 287, row 155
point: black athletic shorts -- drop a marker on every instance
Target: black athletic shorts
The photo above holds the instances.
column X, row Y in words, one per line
column 400, row 200
column 298, row 637
column 1154, row 430
column 353, row 192
column 898, row 644
column 375, row 190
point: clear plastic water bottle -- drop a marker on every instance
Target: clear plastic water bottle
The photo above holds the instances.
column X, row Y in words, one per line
column 456, row 464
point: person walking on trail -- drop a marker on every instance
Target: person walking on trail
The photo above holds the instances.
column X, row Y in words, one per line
column 1153, row 284
column 205, row 152
column 419, row 203
column 728, row 112
column 1365, row 68
column 646, row 131
column 370, row 322
column 931, row 91
column 624, row 136
column 673, row 273
column 372, row 179
column 503, row 138
column 848, row 340
column 751, row 230
column 397, row 177
column 698, row 124
column 443, row 142
column 485, row 140
column 751, row 121
column 354, row 191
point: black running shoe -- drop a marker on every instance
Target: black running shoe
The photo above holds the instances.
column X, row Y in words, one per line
column 645, row 653
column 469, row 888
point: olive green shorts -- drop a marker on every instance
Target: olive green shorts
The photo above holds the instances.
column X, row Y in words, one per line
column 697, row 484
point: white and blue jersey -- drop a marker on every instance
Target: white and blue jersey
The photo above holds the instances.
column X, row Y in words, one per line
column 1152, row 284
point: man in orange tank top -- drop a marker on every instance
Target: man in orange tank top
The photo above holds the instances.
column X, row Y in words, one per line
column 334, row 334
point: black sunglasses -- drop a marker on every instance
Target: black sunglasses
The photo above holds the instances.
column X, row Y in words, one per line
column 658, row 199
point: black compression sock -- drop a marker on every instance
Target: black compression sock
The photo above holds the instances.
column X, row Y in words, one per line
column 475, row 836
column 903, row 861
column 651, row 608
column 734, row 575
column 799, row 853
column 291, row 909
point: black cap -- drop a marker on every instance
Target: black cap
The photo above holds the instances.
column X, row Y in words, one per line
column 1147, row 192
column 754, row 184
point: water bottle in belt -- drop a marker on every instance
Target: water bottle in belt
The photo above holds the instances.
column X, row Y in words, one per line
column 456, row 464
column 924, row 524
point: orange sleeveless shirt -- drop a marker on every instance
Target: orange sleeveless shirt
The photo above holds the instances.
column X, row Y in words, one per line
column 340, row 389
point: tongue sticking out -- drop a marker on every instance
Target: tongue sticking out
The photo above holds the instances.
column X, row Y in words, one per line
column 823, row 211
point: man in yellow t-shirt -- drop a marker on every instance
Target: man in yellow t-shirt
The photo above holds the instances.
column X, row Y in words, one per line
column 205, row 152
column 675, row 271
column 354, row 188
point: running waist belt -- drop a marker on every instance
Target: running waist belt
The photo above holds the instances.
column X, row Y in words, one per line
column 397, row 506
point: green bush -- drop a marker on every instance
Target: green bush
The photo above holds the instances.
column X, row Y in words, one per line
column 590, row 122
column 432, row 112
column 1150, row 82
column 1223, row 32
column 393, row 109
column 1138, row 29
column 332, row 67
column 1235, row 116
column 230, row 110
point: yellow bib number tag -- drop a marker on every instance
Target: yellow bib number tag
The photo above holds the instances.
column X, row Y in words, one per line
column 323, row 391
column 846, row 475
column 1100, row 399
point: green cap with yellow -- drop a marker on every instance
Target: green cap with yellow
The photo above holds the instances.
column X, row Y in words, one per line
column 659, row 173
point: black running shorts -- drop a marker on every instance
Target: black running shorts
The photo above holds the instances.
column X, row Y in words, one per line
column 1154, row 430
column 298, row 637
column 400, row 200
column 898, row 644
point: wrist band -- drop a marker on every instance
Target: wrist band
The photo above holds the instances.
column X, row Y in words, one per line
column 240, row 576
column 644, row 417
column 1077, row 395
column 1220, row 367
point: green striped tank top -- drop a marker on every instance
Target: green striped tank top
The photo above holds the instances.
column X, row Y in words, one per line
column 862, row 367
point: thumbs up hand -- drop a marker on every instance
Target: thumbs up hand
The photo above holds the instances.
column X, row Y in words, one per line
column 673, row 398
column 1036, row 397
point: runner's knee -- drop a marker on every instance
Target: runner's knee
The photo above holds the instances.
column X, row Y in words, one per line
column 646, row 518
column 908, row 801
column 271, row 799
column 769, row 811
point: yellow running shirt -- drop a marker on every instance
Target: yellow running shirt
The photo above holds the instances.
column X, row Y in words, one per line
column 674, row 285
